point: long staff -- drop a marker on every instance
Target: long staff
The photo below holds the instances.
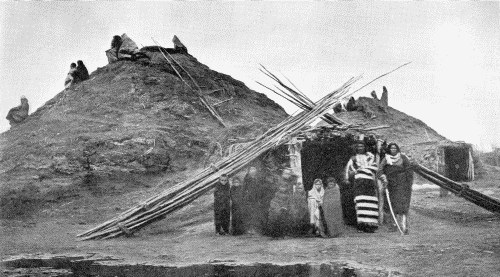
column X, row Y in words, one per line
column 392, row 212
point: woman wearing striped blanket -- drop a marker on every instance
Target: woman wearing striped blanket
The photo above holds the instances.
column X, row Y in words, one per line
column 360, row 174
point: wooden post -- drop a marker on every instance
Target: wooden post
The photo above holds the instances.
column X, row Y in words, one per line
column 380, row 189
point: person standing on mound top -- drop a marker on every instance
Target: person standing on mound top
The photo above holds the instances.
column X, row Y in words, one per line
column 222, row 205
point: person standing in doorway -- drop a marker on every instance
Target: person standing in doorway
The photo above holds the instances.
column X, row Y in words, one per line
column 315, row 200
column 332, row 208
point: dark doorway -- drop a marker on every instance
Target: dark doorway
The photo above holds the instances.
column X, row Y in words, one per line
column 457, row 163
column 322, row 159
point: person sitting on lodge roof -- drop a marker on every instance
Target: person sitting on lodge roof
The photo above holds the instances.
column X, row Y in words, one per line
column 124, row 48
column 360, row 174
column 237, row 207
column 222, row 205
column 397, row 176
column 70, row 77
column 18, row 114
column 316, row 215
column 81, row 74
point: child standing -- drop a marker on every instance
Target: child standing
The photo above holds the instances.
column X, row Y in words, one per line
column 315, row 200
column 222, row 205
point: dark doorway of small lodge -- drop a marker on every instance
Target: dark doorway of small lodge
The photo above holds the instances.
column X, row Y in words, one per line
column 323, row 159
column 457, row 163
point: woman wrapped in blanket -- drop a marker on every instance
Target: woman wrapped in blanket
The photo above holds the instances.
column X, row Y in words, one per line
column 396, row 174
column 360, row 174
column 314, row 203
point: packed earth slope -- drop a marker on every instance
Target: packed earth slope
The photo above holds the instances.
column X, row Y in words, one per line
column 129, row 126
column 416, row 139
column 403, row 129
column 134, row 129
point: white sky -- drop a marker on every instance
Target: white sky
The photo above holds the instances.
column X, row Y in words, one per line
column 453, row 83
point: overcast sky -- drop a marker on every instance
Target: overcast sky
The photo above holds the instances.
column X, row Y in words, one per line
column 453, row 83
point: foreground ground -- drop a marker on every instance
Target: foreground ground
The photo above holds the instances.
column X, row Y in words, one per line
column 448, row 237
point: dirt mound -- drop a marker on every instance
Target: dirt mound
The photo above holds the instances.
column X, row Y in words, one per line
column 415, row 138
column 403, row 129
column 133, row 122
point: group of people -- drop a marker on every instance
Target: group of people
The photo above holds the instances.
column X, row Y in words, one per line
column 240, row 206
column 369, row 181
column 77, row 73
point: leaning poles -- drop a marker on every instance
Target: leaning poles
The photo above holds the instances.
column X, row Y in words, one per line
column 489, row 203
column 300, row 100
column 180, row 195
column 203, row 100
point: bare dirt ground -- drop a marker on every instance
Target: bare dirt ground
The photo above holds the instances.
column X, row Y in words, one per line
column 448, row 237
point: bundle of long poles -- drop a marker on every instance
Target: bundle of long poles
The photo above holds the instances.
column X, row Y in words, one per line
column 199, row 92
column 296, row 97
column 462, row 190
column 187, row 191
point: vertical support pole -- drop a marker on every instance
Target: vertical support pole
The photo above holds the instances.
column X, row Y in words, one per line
column 380, row 190
column 441, row 168
column 470, row 170
column 294, row 148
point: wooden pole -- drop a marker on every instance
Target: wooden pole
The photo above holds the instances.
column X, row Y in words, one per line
column 199, row 93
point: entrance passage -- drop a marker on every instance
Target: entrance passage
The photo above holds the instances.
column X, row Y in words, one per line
column 323, row 159
column 457, row 163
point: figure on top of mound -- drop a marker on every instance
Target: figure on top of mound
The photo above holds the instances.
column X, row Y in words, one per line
column 77, row 73
column 81, row 73
column 70, row 77
column 178, row 46
column 18, row 114
column 124, row 48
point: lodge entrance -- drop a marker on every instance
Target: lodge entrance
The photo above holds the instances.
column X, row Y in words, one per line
column 457, row 163
column 323, row 159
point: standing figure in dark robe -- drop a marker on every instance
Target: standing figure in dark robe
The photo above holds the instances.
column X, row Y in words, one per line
column 299, row 210
column 18, row 114
column 347, row 202
column 237, row 207
column 397, row 176
column 81, row 74
column 222, row 205
column 360, row 173
column 253, row 188
column 280, row 216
